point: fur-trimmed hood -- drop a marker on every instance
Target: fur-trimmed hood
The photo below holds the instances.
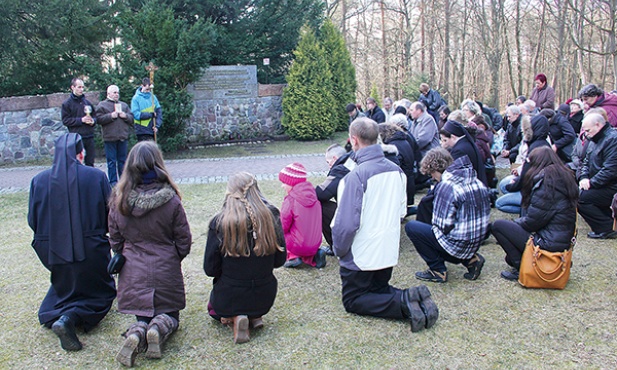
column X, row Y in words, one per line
column 145, row 198
column 526, row 128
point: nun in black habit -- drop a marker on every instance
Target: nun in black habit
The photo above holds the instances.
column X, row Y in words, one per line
column 68, row 214
column 465, row 145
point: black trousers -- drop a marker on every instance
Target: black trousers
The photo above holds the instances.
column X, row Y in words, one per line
column 90, row 151
column 512, row 238
column 595, row 207
column 368, row 293
column 327, row 214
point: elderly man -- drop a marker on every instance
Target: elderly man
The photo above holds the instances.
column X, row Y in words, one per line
column 116, row 119
column 423, row 128
column 68, row 214
column 76, row 116
column 366, row 235
column 543, row 95
column 594, row 97
column 598, row 177
column 388, row 108
column 340, row 164
column 514, row 135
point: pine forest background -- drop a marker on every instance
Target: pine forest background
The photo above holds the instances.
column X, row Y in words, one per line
column 483, row 49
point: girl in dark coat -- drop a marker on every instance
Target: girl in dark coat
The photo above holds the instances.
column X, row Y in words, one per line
column 148, row 225
column 245, row 244
column 550, row 195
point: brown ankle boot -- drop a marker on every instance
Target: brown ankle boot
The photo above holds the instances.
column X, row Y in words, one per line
column 160, row 328
column 135, row 343
column 241, row 329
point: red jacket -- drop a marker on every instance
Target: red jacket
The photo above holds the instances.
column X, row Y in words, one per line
column 609, row 103
column 301, row 220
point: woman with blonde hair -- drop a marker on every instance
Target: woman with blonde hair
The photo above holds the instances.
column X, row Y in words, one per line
column 245, row 244
column 148, row 226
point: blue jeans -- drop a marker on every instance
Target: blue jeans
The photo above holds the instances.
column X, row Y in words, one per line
column 115, row 152
column 509, row 202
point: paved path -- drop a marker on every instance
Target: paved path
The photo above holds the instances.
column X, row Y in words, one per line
column 191, row 171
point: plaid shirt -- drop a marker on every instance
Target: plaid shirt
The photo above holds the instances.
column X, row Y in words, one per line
column 461, row 210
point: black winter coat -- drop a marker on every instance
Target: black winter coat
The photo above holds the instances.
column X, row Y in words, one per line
column 376, row 115
column 550, row 216
column 73, row 111
column 513, row 134
column 242, row 285
column 576, row 121
column 328, row 189
column 562, row 135
column 406, row 161
column 465, row 147
column 600, row 163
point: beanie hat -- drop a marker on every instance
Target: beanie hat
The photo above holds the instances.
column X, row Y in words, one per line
column 578, row 102
column 564, row 109
column 293, row 174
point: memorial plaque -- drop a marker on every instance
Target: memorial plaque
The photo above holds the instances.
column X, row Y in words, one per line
column 226, row 82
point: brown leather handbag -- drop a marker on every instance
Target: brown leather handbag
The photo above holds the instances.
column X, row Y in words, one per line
column 543, row 269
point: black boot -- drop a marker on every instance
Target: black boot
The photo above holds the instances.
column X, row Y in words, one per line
column 410, row 306
column 64, row 328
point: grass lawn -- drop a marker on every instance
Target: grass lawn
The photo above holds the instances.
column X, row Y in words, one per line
column 484, row 324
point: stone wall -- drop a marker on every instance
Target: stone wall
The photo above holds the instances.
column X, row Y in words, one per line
column 30, row 124
column 229, row 105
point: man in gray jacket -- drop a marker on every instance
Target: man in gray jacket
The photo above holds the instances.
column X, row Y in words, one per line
column 116, row 119
column 366, row 235
column 423, row 128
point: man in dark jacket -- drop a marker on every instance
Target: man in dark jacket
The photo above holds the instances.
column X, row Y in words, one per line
column 68, row 214
column 513, row 134
column 598, row 177
column 431, row 99
column 337, row 159
column 76, row 117
column 374, row 112
column 116, row 119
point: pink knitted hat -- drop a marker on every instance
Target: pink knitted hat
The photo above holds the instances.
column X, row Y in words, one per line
column 293, row 174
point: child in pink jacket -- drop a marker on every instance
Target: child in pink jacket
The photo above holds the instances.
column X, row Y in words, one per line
column 301, row 218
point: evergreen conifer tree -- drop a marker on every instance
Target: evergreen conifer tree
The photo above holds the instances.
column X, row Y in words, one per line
column 308, row 103
column 375, row 95
column 343, row 71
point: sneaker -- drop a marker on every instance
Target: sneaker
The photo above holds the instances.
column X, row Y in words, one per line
column 294, row 262
column 434, row 276
column 327, row 249
column 320, row 259
column 412, row 309
column 511, row 275
column 474, row 268
column 428, row 306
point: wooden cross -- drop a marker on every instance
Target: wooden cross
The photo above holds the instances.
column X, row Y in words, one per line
column 151, row 68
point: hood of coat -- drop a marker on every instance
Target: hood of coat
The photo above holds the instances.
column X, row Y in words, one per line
column 389, row 149
column 144, row 95
column 304, row 193
column 145, row 198
column 539, row 126
column 460, row 171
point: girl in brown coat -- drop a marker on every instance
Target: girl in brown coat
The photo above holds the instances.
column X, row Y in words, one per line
column 147, row 224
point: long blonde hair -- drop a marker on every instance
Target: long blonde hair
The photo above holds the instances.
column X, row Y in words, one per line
column 246, row 216
column 144, row 157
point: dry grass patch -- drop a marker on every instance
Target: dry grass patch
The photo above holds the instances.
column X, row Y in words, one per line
column 488, row 323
